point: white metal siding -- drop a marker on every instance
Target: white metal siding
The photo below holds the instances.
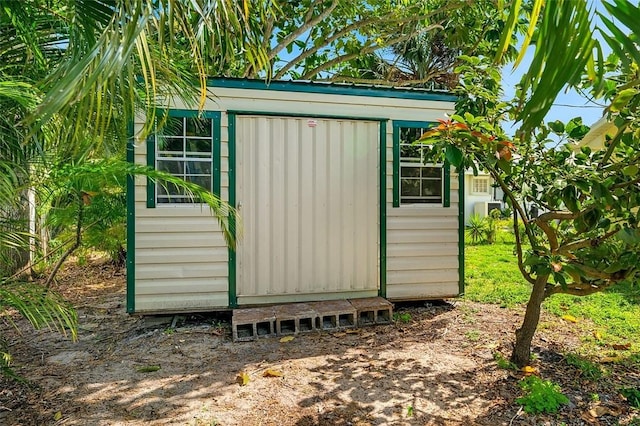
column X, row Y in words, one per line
column 308, row 196
column 422, row 244
column 420, row 264
column 181, row 259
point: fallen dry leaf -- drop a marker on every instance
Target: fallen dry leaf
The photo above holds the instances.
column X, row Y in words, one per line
column 243, row 378
column 272, row 373
column 610, row 359
column 604, row 410
column 623, row 347
column 570, row 318
column 57, row 416
column 286, row 339
column 352, row 331
column 529, row 370
column 597, row 335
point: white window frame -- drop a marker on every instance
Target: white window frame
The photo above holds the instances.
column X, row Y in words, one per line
column 419, row 163
column 183, row 157
column 475, row 180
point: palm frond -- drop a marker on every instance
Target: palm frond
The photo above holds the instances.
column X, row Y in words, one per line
column 41, row 307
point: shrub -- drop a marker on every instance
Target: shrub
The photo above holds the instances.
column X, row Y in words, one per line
column 540, row 396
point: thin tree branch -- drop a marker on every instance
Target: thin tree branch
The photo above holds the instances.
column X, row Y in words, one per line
column 578, row 289
column 549, row 232
column 71, row 249
column 303, row 28
column 591, row 242
column 347, row 57
column 516, row 232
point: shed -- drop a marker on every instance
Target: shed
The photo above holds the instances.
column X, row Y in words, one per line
column 335, row 202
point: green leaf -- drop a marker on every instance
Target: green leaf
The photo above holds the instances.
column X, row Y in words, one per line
column 629, row 235
column 556, row 126
column 570, row 199
column 631, row 170
column 622, row 99
column 453, row 155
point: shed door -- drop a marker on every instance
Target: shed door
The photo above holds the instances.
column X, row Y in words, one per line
column 307, row 193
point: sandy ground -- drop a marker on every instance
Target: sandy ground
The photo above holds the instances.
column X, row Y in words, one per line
column 437, row 368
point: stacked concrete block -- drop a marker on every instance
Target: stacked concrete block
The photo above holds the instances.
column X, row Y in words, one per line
column 250, row 324
column 295, row 318
column 292, row 319
column 334, row 315
column 372, row 310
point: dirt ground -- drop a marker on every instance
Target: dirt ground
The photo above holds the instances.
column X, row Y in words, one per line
column 436, row 367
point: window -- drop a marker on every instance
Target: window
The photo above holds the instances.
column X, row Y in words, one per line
column 184, row 148
column 420, row 181
column 480, row 185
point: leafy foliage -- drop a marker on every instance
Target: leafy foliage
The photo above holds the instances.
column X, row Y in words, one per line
column 588, row 369
column 540, row 396
column 587, row 237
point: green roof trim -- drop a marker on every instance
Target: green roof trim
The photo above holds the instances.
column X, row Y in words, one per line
column 333, row 89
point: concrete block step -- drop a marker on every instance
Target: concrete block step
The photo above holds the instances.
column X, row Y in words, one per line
column 292, row 319
column 334, row 315
column 372, row 310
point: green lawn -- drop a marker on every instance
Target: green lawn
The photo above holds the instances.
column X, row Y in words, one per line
column 607, row 318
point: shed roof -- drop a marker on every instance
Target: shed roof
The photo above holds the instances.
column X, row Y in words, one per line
column 354, row 89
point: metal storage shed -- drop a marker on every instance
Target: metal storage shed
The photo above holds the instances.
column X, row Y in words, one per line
column 334, row 201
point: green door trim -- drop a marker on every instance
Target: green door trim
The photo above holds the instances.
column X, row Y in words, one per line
column 231, row 122
column 131, row 224
column 382, row 144
column 382, row 291
column 461, row 232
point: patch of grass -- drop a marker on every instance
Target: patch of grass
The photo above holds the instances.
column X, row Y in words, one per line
column 492, row 276
column 403, row 317
column 589, row 370
column 632, row 395
column 540, row 396
column 472, row 335
column 503, row 362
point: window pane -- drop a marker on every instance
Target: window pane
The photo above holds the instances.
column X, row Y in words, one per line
column 198, row 167
column 410, row 153
column 170, row 144
column 410, row 134
column 203, row 181
column 173, row 167
column 173, row 126
column 410, row 171
column 169, row 189
column 410, row 187
column 431, row 188
column 199, row 147
column 431, row 172
column 198, row 127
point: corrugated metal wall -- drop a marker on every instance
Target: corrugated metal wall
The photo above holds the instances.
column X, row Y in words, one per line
column 307, row 191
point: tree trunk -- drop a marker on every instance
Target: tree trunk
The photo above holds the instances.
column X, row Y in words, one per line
column 524, row 335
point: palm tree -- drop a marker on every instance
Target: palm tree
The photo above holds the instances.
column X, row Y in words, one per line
column 72, row 74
